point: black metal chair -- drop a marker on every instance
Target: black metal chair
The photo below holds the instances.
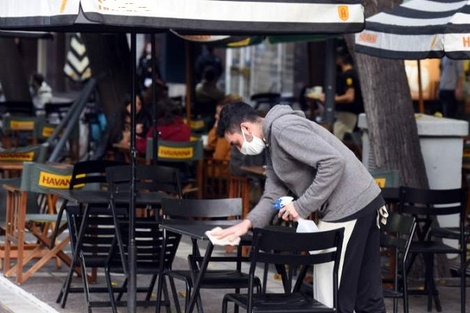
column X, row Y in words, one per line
column 207, row 211
column 149, row 238
column 396, row 237
column 98, row 235
column 290, row 249
column 426, row 205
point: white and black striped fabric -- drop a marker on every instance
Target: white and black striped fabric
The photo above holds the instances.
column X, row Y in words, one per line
column 419, row 29
column 77, row 64
column 214, row 16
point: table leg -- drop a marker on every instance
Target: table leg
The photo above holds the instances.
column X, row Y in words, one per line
column 64, row 292
column 197, row 283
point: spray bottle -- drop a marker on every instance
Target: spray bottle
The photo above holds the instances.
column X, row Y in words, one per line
column 303, row 225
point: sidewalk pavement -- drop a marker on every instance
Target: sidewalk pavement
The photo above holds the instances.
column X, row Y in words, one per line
column 39, row 293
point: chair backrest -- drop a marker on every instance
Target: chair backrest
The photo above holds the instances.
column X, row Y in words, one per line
column 98, row 236
column 91, row 174
column 147, row 178
column 202, row 209
column 18, row 123
column 35, row 153
column 148, row 236
column 42, row 178
column 282, row 247
column 265, row 100
column 23, row 108
column 386, row 178
column 176, row 151
column 43, row 130
column 427, row 204
column 197, row 126
column 395, row 240
column 398, row 232
column 216, row 175
column 239, row 187
column 418, row 201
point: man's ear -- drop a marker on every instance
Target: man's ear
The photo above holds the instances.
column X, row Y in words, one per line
column 246, row 126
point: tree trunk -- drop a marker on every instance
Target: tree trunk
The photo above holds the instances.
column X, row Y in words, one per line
column 109, row 57
column 391, row 120
column 12, row 74
column 389, row 109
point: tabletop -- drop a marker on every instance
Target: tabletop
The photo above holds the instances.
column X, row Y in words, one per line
column 102, row 196
column 195, row 230
column 258, row 170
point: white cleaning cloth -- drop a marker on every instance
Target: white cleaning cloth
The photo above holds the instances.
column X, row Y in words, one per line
column 221, row 242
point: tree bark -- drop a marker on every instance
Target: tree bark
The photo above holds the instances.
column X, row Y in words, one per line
column 389, row 109
column 109, row 57
column 12, row 74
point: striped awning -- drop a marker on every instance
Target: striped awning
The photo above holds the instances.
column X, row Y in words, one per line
column 214, row 16
column 419, row 29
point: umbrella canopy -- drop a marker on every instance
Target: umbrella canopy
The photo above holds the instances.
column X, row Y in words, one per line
column 219, row 16
column 191, row 16
column 419, row 29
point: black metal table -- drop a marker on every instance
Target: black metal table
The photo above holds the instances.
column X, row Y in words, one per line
column 84, row 198
column 196, row 231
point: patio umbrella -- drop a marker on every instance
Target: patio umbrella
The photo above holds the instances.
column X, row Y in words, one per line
column 191, row 16
column 224, row 41
column 418, row 29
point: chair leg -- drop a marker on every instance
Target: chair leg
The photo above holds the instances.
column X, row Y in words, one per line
column 225, row 305
column 121, row 290
column 430, row 285
column 62, row 298
column 86, row 287
column 463, row 278
column 151, row 286
column 110, row 290
column 175, row 294
column 405, row 290
column 166, row 298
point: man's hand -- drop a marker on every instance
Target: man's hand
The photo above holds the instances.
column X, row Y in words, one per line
column 234, row 231
column 288, row 213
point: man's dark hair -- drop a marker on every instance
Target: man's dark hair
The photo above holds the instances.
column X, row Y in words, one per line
column 345, row 57
column 38, row 78
column 232, row 115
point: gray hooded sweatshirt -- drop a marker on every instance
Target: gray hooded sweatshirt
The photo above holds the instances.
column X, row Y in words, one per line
column 305, row 159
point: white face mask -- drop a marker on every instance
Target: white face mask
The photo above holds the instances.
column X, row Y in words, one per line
column 254, row 147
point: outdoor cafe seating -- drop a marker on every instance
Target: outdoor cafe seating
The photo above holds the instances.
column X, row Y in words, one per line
column 37, row 179
column 99, row 226
column 426, row 205
column 205, row 214
column 11, row 159
column 87, row 175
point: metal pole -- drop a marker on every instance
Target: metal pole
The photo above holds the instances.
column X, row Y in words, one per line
column 330, row 82
column 132, row 294
column 154, row 102
column 70, row 119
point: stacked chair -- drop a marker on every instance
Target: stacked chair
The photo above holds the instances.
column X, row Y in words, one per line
column 98, row 235
column 162, row 182
column 39, row 180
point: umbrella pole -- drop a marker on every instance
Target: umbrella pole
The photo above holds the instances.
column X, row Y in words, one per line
column 131, row 295
column 330, row 82
column 420, row 89
column 154, row 103
column 189, row 82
